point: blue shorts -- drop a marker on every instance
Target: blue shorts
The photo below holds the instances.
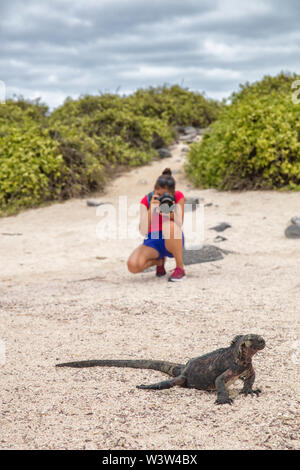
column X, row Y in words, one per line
column 155, row 240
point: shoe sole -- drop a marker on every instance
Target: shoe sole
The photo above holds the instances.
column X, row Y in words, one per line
column 176, row 280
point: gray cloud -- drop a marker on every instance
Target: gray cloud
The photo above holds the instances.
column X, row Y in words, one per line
column 55, row 49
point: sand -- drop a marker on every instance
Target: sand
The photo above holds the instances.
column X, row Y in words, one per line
column 65, row 294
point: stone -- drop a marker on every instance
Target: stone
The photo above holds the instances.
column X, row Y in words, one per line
column 190, row 140
column 95, row 203
column 188, row 130
column 295, row 220
column 292, row 231
column 219, row 239
column 203, row 254
column 188, row 134
column 191, row 203
column 206, row 254
column 221, row 227
column 157, row 141
column 164, row 153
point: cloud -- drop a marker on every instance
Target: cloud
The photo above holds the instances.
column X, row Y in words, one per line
column 67, row 48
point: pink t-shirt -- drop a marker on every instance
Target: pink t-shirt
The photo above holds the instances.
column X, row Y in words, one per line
column 156, row 222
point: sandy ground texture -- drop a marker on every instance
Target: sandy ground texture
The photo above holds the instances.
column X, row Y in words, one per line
column 66, row 294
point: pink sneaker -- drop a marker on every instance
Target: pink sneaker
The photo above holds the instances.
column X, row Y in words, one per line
column 160, row 270
column 178, row 275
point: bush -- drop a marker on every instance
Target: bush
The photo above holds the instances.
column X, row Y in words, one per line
column 176, row 105
column 108, row 133
column 30, row 168
column 74, row 150
column 255, row 143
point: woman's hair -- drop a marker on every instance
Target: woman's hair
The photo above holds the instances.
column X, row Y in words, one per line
column 165, row 180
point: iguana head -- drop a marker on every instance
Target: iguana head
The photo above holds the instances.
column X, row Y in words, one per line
column 245, row 346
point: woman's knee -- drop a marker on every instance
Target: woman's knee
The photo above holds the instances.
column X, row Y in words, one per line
column 134, row 266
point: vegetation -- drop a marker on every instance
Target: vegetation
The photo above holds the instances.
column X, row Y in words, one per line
column 254, row 143
column 251, row 143
column 73, row 150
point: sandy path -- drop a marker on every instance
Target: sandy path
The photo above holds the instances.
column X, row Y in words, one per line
column 67, row 295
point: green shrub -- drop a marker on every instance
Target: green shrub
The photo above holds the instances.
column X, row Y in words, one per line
column 108, row 133
column 76, row 148
column 20, row 112
column 30, row 168
column 255, row 143
column 176, row 105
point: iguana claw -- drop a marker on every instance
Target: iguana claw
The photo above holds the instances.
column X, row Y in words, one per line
column 224, row 401
column 251, row 392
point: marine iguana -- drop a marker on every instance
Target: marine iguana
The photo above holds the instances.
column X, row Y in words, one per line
column 213, row 371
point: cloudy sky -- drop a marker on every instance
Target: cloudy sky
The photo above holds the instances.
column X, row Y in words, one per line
column 57, row 48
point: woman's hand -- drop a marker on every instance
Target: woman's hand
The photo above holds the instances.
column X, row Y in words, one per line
column 154, row 203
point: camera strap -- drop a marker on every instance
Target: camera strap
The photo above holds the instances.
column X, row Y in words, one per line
column 149, row 197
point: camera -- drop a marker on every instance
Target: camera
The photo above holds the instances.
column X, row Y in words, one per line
column 166, row 203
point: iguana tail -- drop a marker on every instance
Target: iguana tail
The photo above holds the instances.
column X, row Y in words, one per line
column 170, row 368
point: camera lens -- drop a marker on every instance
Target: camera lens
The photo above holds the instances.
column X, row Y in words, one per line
column 167, row 203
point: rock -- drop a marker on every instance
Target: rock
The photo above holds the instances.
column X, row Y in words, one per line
column 221, row 227
column 95, row 203
column 142, row 181
column 295, row 220
column 157, row 141
column 293, row 231
column 189, row 134
column 193, row 200
column 185, row 149
column 17, row 234
column 191, row 203
column 201, row 131
column 175, row 172
column 205, row 254
column 190, row 140
column 164, row 153
column 208, row 204
column 188, row 130
column 219, row 239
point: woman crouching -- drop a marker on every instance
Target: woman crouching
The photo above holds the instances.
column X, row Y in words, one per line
column 162, row 231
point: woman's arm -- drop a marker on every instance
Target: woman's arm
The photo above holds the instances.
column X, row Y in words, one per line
column 143, row 225
column 146, row 215
column 178, row 215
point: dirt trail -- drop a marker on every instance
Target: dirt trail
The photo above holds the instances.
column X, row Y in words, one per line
column 67, row 295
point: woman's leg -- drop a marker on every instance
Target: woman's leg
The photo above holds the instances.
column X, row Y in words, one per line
column 173, row 241
column 143, row 257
